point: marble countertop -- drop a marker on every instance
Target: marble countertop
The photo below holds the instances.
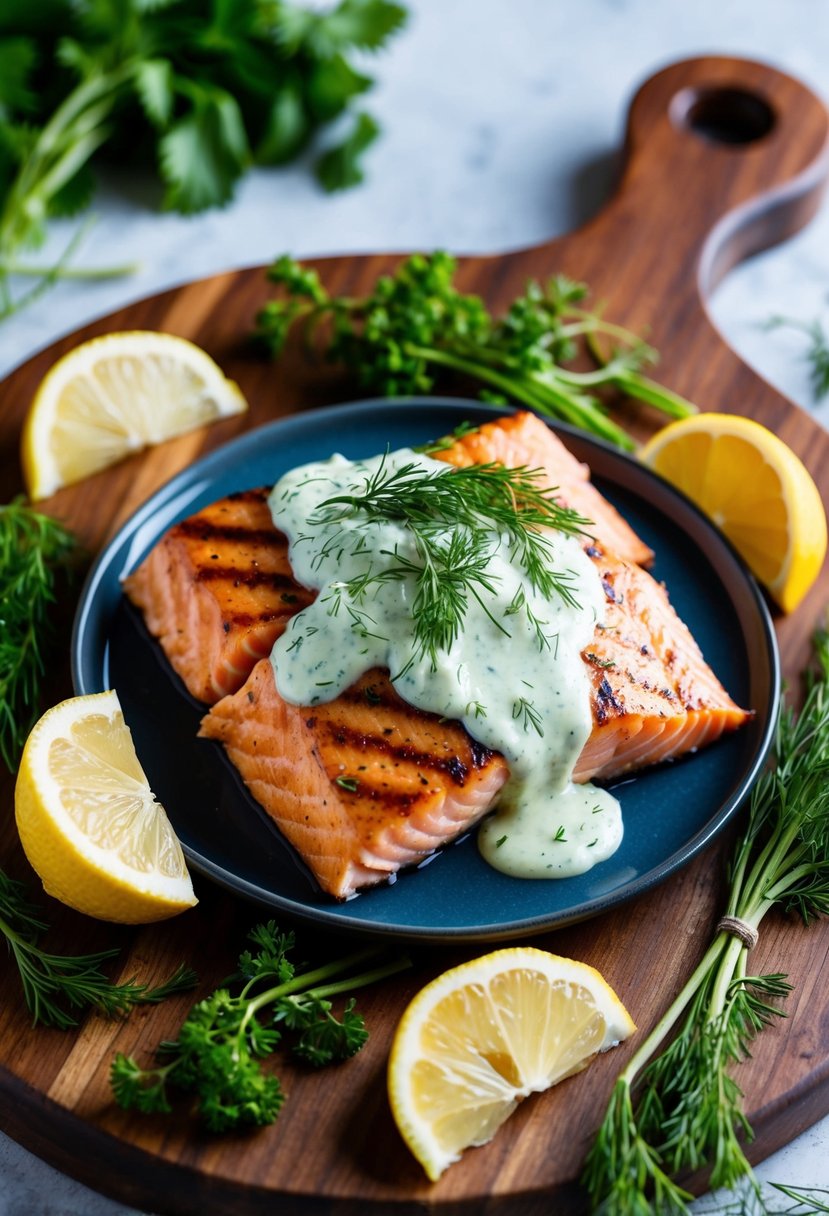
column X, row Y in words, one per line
column 501, row 127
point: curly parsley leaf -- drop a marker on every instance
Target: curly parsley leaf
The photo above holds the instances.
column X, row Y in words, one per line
column 222, row 1042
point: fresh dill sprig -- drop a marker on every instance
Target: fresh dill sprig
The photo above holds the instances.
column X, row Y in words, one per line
column 452, row 515
column 55, row 984
column 684, row 1109
column 416, row 327
column 817, row 352
column 217, row 1054
column 529, row 715
column 33, row 548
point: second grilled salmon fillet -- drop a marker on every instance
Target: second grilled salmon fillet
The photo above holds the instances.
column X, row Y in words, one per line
column 217, row 590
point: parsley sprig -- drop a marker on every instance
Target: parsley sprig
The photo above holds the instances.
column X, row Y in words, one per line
column 198, row 90
column 217, row 1055
column 453, row 514
column 57, row 986
column 686, row 1109
column 33, row 550
column 416, row 326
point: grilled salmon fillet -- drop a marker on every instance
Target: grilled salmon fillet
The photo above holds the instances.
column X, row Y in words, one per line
column 366, row 784
column 217, row 590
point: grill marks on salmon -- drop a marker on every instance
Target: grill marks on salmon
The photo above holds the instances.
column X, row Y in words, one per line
column 366, row 784
column 361, row 786
column 217, row 591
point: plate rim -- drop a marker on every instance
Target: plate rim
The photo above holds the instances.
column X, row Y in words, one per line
column 337, row 920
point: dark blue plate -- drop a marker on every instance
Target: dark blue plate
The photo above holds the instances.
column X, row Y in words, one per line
column 670, row 812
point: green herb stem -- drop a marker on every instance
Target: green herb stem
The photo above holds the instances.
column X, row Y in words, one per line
column 55, row 986
column 76, row 273
column 543, row 396
column 34, row 549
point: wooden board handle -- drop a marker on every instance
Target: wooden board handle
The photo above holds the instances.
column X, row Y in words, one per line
column 723, row 157
column 727, row 157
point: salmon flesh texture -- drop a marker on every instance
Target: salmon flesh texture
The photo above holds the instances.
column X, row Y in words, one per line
column 366, row 784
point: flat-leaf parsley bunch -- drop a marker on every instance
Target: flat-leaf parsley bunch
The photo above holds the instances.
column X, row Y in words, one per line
column 201, row 89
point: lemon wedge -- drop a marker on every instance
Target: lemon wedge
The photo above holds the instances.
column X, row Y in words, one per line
column 115, row 395
column 755, row 489
column 484, row 1035
column 88, row 820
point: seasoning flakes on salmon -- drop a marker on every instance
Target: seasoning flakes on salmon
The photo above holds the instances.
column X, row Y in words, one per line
column 361, row 786
column 654, row 697
column 217, row 591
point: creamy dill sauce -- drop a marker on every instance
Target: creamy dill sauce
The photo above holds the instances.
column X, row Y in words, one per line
column 525, row 696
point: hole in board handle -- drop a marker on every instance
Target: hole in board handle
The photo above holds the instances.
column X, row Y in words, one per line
column 724, row 115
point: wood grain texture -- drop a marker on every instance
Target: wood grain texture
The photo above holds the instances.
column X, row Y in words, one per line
column 688, row 207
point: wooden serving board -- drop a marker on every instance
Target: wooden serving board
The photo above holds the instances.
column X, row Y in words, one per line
column 723, row 158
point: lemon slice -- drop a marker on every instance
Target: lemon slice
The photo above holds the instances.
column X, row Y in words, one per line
column 115, row 395
column 484, row 1035
column 88, row 820
column 755, row 490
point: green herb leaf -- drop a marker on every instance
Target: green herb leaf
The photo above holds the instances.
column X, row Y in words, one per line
column 155, row 87
column 340, row 167
column 56, row 986
column 203, row 155
column 817, row 352
column 17, row 59
column 286, row 129
column 331, row 85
